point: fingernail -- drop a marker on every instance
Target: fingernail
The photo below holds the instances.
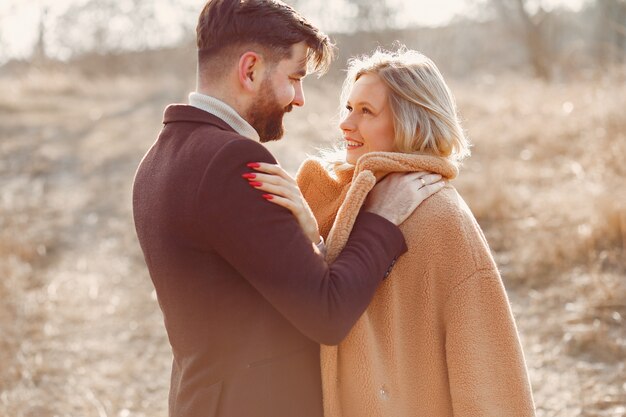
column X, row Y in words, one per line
column 249, row 175
column 255, row 183
column 254, row 165
column 268, row 196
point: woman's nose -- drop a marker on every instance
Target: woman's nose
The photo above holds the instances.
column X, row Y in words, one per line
column 346, row 124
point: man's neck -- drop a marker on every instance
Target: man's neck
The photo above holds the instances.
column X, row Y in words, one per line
column 225, row 96
column 225, row 112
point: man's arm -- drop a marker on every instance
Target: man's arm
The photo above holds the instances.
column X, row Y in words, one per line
column 266, row 245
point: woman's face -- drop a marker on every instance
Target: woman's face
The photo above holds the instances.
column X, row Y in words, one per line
column 368, row 125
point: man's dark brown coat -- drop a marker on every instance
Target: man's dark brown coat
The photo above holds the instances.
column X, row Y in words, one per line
column 245, row 297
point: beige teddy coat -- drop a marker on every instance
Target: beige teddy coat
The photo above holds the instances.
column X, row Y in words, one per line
column 439, row 338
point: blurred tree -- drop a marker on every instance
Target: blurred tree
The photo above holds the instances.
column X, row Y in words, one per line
column 112, row 25
column 40, row 51
column 529, row 28
column 349, row 15
column 372, row 15
column 610, row 32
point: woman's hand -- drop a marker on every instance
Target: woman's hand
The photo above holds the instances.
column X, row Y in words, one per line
column 281, row 189
column 398, row 194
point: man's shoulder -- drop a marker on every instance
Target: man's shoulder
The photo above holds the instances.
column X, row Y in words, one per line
column 209, row 135
column 234, row 148
column 185, row 113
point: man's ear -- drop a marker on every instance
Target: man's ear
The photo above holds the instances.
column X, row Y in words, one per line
column 249, row 70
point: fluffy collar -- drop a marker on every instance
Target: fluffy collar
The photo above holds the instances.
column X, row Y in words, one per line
column 361, row 178
column 383, row 163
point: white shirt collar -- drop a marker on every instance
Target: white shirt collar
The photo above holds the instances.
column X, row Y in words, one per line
column 225, row 112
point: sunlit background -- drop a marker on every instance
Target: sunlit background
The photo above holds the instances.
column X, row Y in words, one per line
column 541, row 89
column 67, row 27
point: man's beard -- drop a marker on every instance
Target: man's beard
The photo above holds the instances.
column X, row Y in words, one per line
column 266, row 115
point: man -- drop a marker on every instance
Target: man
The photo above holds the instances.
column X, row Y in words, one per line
column 246, row 297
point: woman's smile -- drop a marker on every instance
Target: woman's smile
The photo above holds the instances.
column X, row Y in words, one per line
column 352, row 144
column 368, row 123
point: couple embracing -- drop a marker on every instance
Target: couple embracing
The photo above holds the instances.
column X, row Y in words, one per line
column 362, row 288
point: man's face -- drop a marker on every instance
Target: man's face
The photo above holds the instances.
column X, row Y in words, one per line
column 280, row 90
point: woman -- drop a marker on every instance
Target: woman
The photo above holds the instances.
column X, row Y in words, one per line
column 438, row 338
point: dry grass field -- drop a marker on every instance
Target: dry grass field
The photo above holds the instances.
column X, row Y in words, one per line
column 80, row 329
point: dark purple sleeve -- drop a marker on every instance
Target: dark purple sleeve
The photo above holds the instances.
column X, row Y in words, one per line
column 266, row 245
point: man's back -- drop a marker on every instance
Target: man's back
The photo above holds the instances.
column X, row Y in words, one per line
column 234, row 354
column 245, row 297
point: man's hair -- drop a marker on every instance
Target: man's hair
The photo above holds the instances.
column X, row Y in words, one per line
column 424, row 110
column 227, row 27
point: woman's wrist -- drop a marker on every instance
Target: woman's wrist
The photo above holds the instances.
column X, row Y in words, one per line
column 316, row 238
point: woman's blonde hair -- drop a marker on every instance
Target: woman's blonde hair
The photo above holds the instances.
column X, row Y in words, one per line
column 423, row 107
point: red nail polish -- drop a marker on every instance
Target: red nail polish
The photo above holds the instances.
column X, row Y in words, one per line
column 268, row 196
column 255, row 183
column 254, row 165
column 249, row 175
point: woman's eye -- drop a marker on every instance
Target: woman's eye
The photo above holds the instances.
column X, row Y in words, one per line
column 365, row 110
column 349, row 108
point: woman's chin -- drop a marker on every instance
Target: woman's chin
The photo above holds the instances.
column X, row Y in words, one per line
column 352, row 157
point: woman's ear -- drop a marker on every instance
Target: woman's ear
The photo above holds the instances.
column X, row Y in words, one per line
column 249, row 70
